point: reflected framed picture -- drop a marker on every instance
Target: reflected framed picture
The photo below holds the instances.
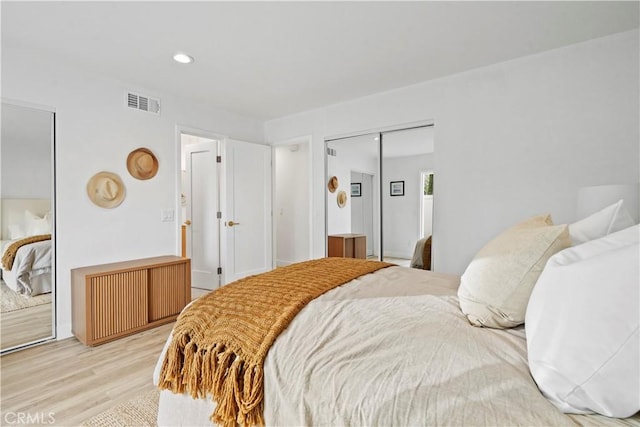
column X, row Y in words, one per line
column 356, row 189
column 397, row 188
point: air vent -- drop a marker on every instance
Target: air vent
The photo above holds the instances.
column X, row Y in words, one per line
column 143, row 103
column 331, row 152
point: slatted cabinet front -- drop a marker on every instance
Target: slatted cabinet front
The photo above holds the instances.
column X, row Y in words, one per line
column 114, row 300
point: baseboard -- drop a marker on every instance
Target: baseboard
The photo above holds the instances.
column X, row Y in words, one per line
column 397, row 255
column 63, row 331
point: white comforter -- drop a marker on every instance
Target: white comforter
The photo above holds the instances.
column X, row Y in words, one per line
column 31, row 271
column 391, row 348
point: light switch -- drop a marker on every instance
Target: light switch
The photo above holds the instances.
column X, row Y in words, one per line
column 166, row 215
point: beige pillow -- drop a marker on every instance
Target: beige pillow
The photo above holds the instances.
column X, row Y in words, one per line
column 495, row 288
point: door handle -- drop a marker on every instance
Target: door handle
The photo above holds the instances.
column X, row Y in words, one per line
column 187, row 222
column 231, row 223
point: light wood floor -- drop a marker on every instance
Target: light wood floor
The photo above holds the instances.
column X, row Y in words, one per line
column 25, row 325
column 75, row 382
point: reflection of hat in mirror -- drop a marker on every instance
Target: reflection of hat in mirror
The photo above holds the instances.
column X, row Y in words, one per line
column 333, row 184
column 342, row 199
column 105, row 189
column 142, row 164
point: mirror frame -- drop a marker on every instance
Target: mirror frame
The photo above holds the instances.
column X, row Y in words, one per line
column 54, row 299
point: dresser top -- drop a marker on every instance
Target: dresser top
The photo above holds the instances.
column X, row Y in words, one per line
column 130, row 265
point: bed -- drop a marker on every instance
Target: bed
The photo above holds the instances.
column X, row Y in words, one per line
column 393, row 347
column 30, row 271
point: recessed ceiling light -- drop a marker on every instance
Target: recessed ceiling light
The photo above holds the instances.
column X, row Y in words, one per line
column 182, row 58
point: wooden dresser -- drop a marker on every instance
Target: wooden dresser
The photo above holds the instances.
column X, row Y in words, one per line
column 110, row 301
column 347, row 245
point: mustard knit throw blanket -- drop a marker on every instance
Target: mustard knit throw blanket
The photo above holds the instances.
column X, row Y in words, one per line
column 10, row 254
column 220, row 341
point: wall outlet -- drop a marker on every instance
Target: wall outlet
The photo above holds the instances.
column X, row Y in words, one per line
column 166, row 215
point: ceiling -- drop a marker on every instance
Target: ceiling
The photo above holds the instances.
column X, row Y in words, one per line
column 270, row 59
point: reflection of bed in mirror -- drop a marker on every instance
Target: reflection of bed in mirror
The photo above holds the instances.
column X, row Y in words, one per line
column 26, row 245
column 26, row 197
column 25, row 288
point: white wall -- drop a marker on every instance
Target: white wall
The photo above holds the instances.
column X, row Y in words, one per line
column 356, row 154
column 401, row 214
column 291, row 208
column 25, row 153
column 96, row 132
column 338, row 218
column 511, row 140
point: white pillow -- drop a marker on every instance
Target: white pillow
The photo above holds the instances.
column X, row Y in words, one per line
column 49, row 217
column 582, row 327
column 16, row 232
column 34, row 225
column 494, row 289
column 606, row 221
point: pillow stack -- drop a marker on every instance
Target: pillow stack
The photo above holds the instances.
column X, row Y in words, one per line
column 494, row 289
column 32, row 225
column 582, row 327
column 581, row 305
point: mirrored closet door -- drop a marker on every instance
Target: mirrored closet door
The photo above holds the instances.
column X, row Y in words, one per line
column 27, row 285
column 407, row 203
column 379, row 191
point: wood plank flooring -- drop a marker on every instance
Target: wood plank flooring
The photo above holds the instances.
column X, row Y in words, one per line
column 25, row 325
column 75, row 382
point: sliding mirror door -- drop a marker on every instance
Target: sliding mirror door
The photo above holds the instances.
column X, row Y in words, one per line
column 379, row 196
column 27, row 280
column 352, row 191
column 407, row 196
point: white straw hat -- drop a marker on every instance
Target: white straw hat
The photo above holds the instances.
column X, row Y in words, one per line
column 105, row 189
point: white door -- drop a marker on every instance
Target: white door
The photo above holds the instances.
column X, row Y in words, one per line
column 246, row 210
column 203, row 229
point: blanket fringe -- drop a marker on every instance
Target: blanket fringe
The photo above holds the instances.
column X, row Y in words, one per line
column 235, row 384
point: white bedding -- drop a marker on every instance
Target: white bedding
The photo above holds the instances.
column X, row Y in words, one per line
column 31, row 271
column 392, row 348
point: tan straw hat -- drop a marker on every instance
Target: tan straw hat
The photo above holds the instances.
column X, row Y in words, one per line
column 333, row 184
column 342, row 198
column 142, row 164
column 106, row 190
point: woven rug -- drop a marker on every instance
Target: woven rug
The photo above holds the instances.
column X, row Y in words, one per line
column 139, row 412
column 11, row 301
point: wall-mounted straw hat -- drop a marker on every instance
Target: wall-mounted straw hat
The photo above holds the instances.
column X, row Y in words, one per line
column 105, row 189
column 342, row 198
column 333, row 184
column 142, row 164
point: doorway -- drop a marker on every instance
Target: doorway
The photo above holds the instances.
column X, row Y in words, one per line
column 426, row 204
column 200, row 203
column 362, row 207
column 292, row 202
column 225, row 203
